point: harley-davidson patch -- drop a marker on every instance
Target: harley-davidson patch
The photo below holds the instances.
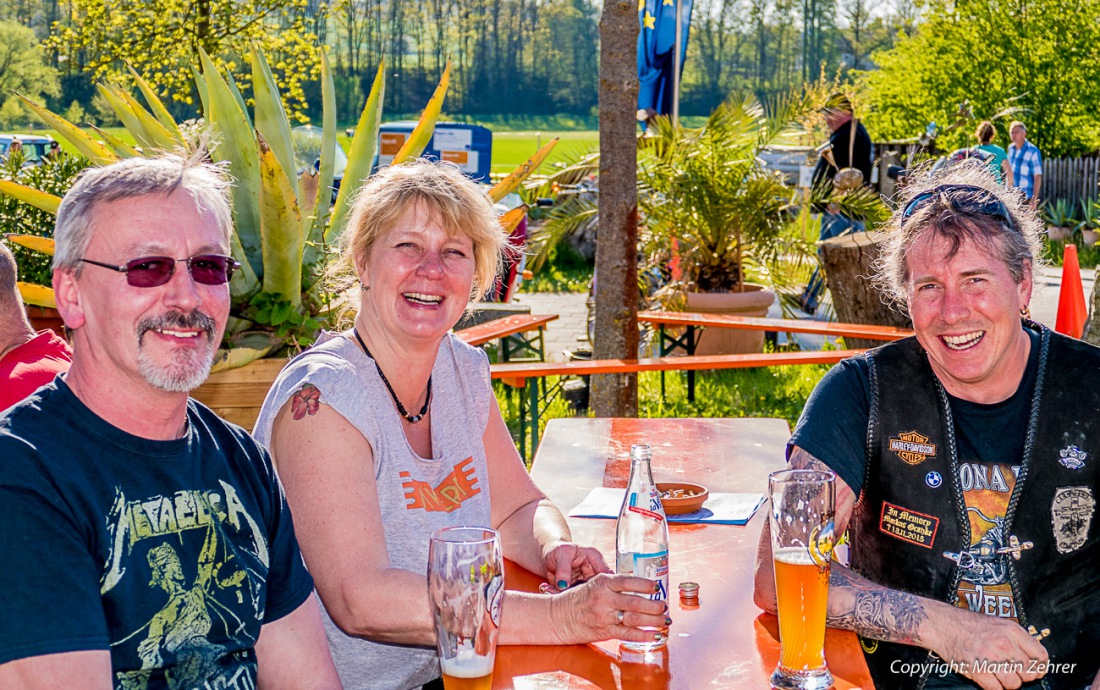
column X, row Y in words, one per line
column 1072, row 457
column 912, row 447
column 1071, row 514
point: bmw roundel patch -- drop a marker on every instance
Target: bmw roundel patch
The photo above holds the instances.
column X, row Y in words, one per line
column 933, row 479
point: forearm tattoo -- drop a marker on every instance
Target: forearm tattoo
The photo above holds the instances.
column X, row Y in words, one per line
column 875, row 611
column 801, row 460
column 866, row 608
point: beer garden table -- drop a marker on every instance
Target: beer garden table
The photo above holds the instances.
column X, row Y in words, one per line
column 726, row 642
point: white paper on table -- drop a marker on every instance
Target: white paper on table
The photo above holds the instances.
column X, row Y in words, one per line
column 719, row 508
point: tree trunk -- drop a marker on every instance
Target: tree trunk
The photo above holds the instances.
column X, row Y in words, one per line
column 617, row 241
column 1092, row 325
column 849, row 264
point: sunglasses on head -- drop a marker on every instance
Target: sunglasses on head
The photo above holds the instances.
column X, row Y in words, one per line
column 962, row 197
column 154, row 271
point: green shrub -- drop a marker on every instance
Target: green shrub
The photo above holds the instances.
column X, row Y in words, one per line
column 53, row 175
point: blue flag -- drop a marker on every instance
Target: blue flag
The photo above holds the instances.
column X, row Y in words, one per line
column 656, row 43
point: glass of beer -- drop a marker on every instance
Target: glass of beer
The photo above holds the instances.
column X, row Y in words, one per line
column 803, row 508
column 466, row 587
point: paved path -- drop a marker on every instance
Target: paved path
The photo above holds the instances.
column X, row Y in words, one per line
column 569, row 332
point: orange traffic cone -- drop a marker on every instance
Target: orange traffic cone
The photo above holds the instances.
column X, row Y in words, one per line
column 1071, row 300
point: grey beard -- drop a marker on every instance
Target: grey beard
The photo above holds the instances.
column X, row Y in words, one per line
column 187, row 369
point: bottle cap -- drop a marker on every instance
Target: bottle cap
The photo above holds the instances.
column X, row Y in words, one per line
column 689, row 590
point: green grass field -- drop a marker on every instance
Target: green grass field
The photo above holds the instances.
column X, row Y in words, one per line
column 510, row 148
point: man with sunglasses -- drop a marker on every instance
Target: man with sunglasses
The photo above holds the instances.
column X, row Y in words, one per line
column 965, row 460
column 146, row 543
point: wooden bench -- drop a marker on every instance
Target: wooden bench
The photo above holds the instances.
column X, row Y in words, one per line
column 520, row 374
column 512, row 332
column 692, row 320
column 830, row 328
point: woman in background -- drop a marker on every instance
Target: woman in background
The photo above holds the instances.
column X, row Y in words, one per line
column 986, row 133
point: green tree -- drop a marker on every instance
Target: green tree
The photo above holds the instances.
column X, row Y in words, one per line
column 160, row 40
column 1038, row 60
column 22, row 69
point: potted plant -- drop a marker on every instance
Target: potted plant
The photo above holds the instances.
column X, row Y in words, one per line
column 1060, row 220
column 712, row 207
column 1090, row 221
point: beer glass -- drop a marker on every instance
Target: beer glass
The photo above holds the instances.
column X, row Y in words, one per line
column 803, row 507
column 466, row 586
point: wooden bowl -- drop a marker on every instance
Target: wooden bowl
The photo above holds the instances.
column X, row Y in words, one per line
column 687, row 504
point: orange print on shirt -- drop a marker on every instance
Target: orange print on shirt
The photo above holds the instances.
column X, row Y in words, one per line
column 459, row 485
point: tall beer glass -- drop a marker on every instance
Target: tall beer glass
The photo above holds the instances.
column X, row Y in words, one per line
column 466, row 586
column 803, row 508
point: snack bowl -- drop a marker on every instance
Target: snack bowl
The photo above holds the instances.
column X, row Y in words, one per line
column 684, row 498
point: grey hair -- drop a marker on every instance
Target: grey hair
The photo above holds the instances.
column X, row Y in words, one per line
column 1019, row 249
column 206, row 183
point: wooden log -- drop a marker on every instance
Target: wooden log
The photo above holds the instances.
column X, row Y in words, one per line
column 849, row 264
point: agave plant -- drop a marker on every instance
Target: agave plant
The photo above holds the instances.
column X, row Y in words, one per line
column 284, row 222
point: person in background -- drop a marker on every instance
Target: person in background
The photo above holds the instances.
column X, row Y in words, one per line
column 1026, row 163
column 146, row 543
column 985, row 134
column 965, row 460
column 54, row 150
column 390, row 430
column 28, row 360
column 849, row 147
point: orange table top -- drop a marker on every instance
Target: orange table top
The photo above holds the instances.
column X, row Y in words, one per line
column 727, row 642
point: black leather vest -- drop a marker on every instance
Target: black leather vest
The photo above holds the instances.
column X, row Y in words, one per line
column 907, row 518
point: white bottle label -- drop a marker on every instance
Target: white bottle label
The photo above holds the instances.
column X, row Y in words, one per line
column 652, row 566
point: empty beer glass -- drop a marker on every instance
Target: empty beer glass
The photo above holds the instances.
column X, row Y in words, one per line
column 466, row 586
column 802, row 512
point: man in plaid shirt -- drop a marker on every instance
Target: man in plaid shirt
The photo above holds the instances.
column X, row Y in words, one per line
column 1026, row 162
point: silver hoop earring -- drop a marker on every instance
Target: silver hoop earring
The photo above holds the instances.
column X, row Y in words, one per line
column 364, row 286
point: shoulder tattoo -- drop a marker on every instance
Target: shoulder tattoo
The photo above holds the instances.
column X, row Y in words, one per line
column 305, row 401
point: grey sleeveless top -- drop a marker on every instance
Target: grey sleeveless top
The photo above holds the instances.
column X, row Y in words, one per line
column 416, row 495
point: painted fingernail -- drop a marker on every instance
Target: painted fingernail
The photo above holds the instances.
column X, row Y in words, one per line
column 668, row 621
column 562, row 584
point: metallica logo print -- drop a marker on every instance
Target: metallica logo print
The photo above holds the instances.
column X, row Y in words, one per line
column 984, row 587
column 201, row 559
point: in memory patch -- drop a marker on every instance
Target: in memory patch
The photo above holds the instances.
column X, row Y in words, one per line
column 912, row 447
column 908, row 525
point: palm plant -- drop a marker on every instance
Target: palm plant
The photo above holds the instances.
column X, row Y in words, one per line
column 284, row 223
column 708, row 204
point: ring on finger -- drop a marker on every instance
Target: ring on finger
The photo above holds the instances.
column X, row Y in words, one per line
column 619, row 616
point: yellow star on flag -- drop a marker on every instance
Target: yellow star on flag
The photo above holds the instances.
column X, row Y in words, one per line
column 667, row 2
column 641, row 5
column 650, row 21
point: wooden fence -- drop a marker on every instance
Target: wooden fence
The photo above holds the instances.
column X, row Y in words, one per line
column 1070, row 178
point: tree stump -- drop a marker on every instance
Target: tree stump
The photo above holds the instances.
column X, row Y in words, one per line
column 849, row 266
column 1092, row 325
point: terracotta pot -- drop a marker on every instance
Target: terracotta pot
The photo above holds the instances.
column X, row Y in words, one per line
column 754, row 301
column 238, row 394
column 46, row 317
column 1057, row 234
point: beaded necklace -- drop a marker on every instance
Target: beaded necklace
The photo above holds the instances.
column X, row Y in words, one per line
column 410, row 418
